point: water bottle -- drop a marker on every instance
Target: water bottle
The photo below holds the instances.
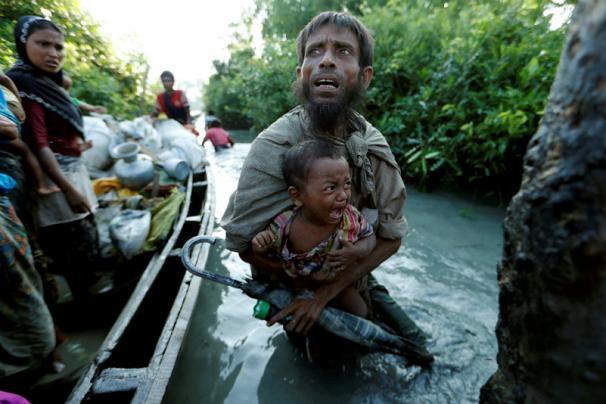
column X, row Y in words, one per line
column 263, row 310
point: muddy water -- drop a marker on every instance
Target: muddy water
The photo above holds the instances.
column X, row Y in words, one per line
column 444, row 276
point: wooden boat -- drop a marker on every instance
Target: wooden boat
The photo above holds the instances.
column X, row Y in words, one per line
column 135, row 361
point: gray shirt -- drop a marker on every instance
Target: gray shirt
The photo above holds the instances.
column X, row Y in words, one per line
column 261, row 193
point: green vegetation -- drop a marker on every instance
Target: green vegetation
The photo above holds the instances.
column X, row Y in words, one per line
column 459, row 86
column 99, row 76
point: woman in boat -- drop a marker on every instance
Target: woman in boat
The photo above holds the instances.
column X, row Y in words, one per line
column 54, row 129
column 173, row 103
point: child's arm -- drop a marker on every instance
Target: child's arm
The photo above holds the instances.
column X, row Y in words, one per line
column 263, row 241
column 349, row 252
column 257, row 255
column 86, row 107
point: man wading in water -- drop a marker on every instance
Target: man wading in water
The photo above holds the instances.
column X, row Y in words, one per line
column 334, row 69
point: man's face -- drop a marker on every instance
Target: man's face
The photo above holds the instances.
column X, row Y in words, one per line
column 168, row 83
column 330, row 72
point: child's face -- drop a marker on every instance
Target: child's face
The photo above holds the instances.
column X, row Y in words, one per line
column 327, row 191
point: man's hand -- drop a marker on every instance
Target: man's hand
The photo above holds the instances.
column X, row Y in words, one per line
column 262, row 241
column 304, row 310
column 345, row 256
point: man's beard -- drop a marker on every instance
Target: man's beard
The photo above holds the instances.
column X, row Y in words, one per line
column 337, row 117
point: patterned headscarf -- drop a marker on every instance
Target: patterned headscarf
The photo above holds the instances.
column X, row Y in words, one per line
column 37, row 85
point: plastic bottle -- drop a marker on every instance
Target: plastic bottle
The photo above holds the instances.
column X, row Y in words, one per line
column 263, row 310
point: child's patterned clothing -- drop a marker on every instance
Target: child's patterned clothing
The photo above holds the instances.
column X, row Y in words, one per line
column 354, row 228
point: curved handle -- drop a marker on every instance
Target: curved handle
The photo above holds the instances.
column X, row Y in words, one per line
column 187, row 249
column 185, row 259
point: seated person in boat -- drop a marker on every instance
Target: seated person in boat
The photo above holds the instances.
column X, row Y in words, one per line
column 173, row 103
column 334, row 69
column 218, row 136
column 307, row 238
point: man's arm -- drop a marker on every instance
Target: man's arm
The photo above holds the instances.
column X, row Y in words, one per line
column 186, row 106
column 305, row 311
column 157, row 109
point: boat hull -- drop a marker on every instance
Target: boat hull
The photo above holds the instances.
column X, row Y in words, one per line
column 136, row 359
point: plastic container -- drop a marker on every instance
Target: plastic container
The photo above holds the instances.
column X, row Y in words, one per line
column 176, row 168
column 263, row 310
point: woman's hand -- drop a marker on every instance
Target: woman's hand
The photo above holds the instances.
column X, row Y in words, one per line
column 77, row 202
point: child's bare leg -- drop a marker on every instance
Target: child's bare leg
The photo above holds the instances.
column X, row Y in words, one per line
column 351, row 301
column 34, row 168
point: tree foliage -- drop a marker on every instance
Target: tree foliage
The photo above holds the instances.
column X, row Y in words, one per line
column 459, row 86
column 459, row 90
column 99, row 76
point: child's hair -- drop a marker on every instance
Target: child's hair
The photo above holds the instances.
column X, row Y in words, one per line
column 215, row 123
column 299, row 158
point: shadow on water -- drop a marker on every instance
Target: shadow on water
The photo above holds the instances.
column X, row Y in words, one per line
column 444, row 276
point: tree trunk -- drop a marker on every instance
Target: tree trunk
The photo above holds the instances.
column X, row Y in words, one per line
column 552, row 277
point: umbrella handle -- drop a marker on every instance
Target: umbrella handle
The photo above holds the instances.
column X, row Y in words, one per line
column 189, row 265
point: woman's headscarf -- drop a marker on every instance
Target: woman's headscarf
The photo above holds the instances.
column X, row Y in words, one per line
column 37, row 85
